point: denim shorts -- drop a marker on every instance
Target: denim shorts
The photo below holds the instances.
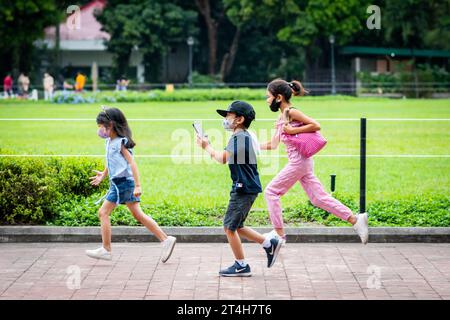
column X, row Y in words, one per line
column 121, row 191
column 238, row 209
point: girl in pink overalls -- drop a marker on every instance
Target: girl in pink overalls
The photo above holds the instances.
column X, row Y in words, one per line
column 299, row 169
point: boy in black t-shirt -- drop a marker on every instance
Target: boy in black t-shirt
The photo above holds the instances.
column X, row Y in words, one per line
column 241, row 158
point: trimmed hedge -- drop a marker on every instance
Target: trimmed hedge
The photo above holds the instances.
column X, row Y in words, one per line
column 160, row 95
column 175, row 96
column 32, row 189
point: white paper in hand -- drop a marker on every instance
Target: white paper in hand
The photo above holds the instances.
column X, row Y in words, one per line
column 198, row 129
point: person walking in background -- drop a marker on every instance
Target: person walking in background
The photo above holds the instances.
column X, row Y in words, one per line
column 8, row 86
column 24, row 84
column 80, row 81
column 49, row 84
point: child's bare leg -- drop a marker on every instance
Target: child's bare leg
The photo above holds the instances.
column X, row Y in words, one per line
column 103, row 213
column 235, row 244
column 280, row 231
column 352, row 219
column 251, row 235
column 147, row 221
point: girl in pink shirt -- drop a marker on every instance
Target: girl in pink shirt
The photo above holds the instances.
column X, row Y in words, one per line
column 299, row 169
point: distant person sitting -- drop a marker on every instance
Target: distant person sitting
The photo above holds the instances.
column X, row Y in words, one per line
column 8, row 86
column 49, row 84
column 122, row 84
column 24, row 84
column 80, row 81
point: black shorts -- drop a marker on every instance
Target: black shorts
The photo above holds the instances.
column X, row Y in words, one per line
column 238, row 209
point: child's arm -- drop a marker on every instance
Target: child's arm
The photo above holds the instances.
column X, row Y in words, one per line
column 272, row 144
column 134, row 169
column 219, row 156
column 310, row 125
column 99, row 176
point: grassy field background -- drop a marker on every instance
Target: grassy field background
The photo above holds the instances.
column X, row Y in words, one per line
column 201, row 183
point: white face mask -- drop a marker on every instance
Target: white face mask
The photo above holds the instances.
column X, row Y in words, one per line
column 228, row 124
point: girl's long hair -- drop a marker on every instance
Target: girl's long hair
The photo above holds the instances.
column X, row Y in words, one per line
column 114, row 118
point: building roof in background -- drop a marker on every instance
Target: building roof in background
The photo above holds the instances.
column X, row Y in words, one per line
column 90, row 28
column 356, row 50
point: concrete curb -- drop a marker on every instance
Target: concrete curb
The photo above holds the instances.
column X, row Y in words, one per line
column 10, row 234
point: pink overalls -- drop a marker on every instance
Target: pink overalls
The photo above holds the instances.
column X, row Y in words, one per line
column 302, row 170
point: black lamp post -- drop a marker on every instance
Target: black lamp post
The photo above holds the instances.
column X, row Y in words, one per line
column 333, row 71
column 190, row 42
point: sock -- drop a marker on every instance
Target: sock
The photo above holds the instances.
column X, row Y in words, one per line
column 266, row 243
column 242, row 263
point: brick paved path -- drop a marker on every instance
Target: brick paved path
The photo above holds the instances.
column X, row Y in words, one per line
column 303, row 271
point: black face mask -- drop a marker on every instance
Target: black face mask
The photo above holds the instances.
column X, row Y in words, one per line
column 274, row 105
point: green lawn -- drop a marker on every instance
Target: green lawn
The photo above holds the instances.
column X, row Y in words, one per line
column 201, row 183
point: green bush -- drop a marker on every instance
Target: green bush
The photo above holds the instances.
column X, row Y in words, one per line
column 431, row 211
column 73, row 174
column 430, row 79
column 424, row 211
column 80, row 211
column 27, row 191
column 31, row 188
column 161, row 95
column 215, row 94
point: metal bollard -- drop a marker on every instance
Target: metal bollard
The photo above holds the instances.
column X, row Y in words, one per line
column 333, row 182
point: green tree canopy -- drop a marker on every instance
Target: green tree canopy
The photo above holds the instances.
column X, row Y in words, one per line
column 22, row 23
column 153, row 26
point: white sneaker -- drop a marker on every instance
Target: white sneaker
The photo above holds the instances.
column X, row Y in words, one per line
column 361, row 227
column 274, row 234
column 168, row 246
column 100, row 253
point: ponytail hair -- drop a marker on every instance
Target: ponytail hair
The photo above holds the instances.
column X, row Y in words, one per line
column 297, row 88
column 286, row 89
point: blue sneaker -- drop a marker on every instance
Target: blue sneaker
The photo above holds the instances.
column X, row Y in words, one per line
column 272, row 251
column 236, row 271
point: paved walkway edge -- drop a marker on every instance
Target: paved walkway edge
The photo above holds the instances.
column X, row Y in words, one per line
column 215, row 234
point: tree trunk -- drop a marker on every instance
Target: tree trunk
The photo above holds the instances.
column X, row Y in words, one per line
column 212, row 26
column 229, row 57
